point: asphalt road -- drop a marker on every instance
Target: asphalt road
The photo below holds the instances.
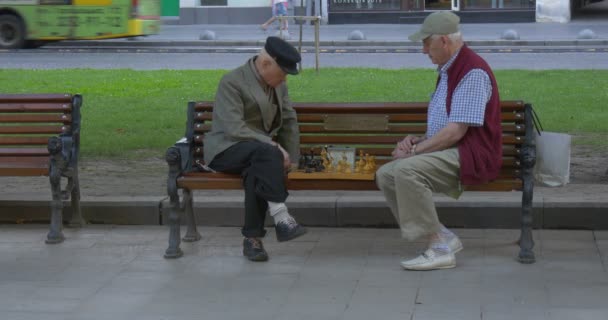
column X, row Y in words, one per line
column 217, row 58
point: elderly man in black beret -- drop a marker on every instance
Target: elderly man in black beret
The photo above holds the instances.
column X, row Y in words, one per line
column 255, row 134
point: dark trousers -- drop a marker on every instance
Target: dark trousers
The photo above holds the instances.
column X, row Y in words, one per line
column 261, row 166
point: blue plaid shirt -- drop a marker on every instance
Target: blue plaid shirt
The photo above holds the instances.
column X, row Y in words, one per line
column 468, row 100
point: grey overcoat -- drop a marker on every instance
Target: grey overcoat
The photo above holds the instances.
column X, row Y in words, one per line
column 242, row 112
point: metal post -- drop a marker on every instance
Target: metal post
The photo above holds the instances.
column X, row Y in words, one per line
column 317, row 43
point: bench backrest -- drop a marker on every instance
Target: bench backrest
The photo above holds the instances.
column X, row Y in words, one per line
column 27, row 121
column 375, row 128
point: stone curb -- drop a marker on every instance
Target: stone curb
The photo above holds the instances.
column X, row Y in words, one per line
column 365, row 210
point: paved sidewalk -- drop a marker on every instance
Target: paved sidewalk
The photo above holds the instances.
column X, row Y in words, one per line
column 118, row 273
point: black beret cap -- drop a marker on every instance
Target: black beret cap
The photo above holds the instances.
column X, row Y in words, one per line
column 286, row 56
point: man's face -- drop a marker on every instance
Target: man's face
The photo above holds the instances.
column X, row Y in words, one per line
column 273, row 75
column 436, row 47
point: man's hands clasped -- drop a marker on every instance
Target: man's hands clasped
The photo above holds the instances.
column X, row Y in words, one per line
column 406, row 147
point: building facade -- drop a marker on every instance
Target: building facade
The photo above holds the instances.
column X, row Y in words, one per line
column 375, row 11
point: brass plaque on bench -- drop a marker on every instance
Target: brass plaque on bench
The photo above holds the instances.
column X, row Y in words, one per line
column 358, row 122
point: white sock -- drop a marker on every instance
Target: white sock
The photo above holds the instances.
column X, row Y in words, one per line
column 278, row 211
column 439, row 244
column 446, row 234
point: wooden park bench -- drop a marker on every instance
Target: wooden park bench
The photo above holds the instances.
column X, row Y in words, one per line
column 40, row 136
column 372, row 127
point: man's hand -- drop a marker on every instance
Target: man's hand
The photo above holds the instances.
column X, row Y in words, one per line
column 286, row 159
column 400, row 154
column 407, row 143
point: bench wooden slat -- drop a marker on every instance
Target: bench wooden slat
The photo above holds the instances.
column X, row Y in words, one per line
column 6, row 140
column 36, row 107
column 25, row 172
column 34, row 129
column 497, row 185
column 24, row 98
column 413, row 129
column 507, row 150
column 36, row 118
column 506, row 105
column 7, row 152
column 213, row 181
column 24, row 166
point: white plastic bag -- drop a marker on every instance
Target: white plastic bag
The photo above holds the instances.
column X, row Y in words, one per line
column 552, row 167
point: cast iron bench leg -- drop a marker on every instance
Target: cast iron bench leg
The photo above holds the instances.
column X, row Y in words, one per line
column 76, row 221
column 191, row 234
column 173, row 159
column 55, row 234
column 528, row 156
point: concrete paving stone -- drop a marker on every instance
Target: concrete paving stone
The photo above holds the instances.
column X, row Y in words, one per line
column 30, row 315
column 34, row 273
column 580, row 235
column 48, row 305
column 581, row 263
column 305, row 310
column 87, row 275
column 510, row 234
column 110, row 303
column 323, row 275
column 515, row 313
column 390, row 277
column 578, row 313
column 458, row 277
column 373, row 312
column 378, row 300
column 442, row 296
column 506, row 296
column 452, row 312
column 137, row 282
column 54, row 290
column 565, row 278
column 16, row 288
column 577, row 296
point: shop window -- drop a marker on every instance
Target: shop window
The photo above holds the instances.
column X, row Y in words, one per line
column 214, row 3
column 349, row 5
column 499, row 4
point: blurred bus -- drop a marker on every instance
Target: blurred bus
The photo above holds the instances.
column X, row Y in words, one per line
column 31, row 23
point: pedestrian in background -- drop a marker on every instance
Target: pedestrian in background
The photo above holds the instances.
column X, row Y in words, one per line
column 279, row 8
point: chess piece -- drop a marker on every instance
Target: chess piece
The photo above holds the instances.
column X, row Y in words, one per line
column 360, row 164
column 302, row 162
column 367, row 168
column 324, row 158
column 372, row 159
column 330, row 163
column 340, row 167
column 346, row 167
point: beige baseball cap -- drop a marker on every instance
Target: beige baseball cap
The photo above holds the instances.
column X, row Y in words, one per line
column 438, row 22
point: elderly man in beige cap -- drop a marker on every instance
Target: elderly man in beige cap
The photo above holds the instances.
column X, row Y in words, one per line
column 462, row 144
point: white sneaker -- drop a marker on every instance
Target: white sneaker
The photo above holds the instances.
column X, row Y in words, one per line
column 455, row 244
column 429, row 260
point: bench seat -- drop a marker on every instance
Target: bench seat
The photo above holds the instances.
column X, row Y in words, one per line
column 40, row 136
column 372, row 127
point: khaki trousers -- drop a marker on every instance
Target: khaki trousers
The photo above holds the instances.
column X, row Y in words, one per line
column 408, row 186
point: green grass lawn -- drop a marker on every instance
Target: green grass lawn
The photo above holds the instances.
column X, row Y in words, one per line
column 133, row 113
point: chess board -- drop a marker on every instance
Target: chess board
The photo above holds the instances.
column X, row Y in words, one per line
column 330, row 175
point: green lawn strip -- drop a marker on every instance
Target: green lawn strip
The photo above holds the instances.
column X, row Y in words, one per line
column 138, row 113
